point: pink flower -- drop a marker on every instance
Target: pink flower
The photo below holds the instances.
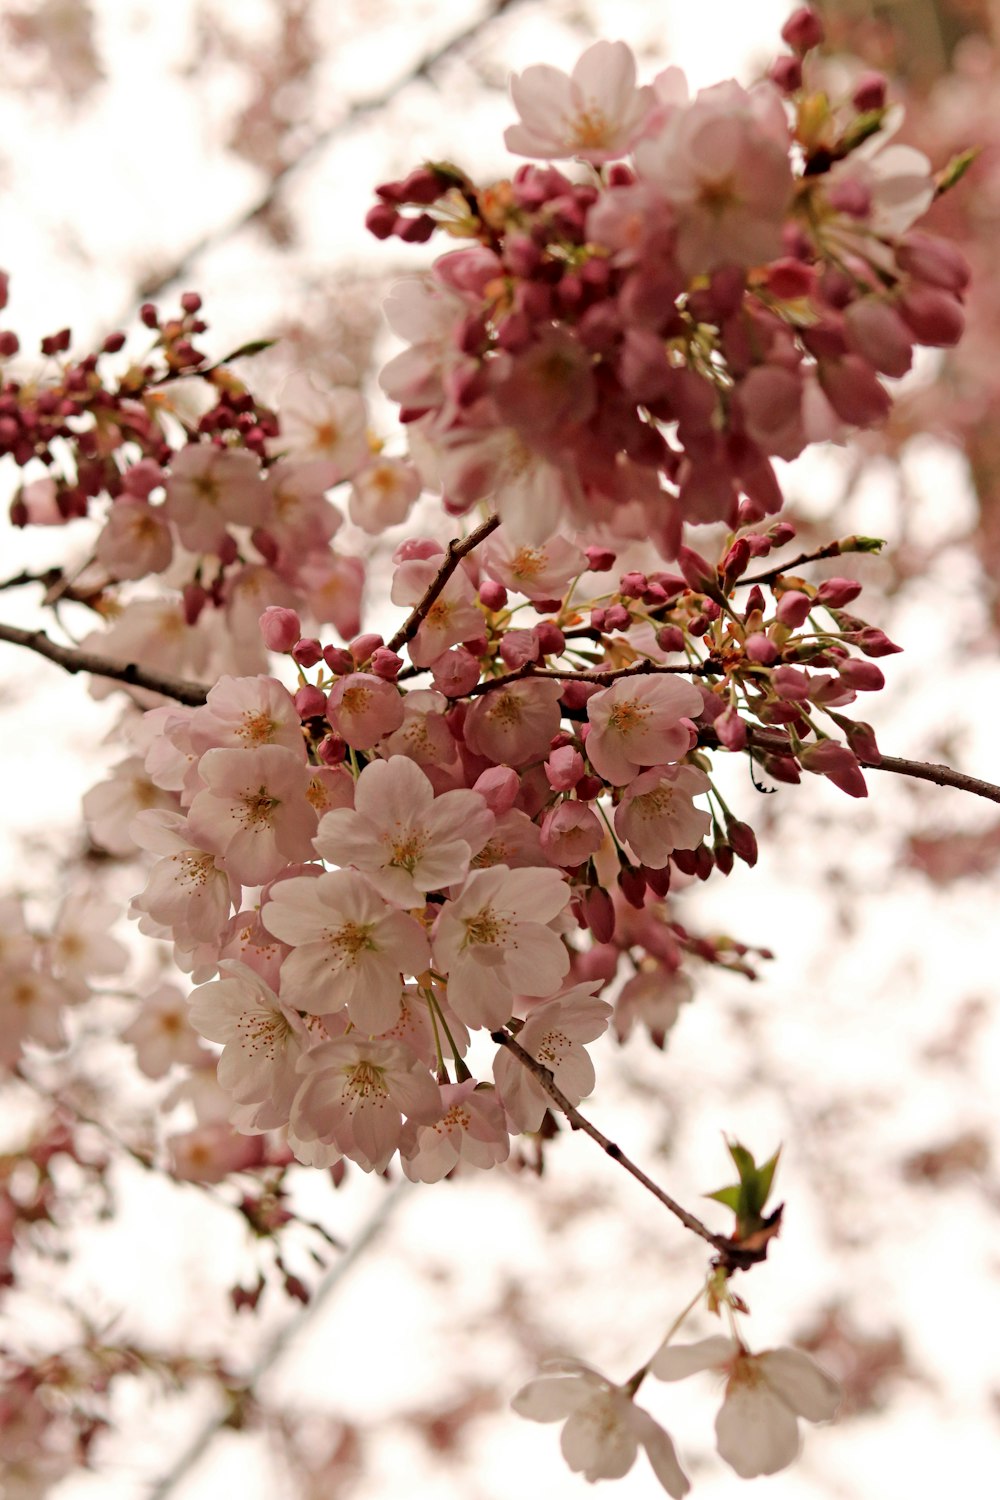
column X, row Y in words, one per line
column 553, row 1034
column 262, row 1041
column 246, row 712
column 355, row 1094
column 571, row 833
column 604, row 1428
column 653, row 997
column 512, row 725
column 543, row 571
column 135, row 541
column 110, row 806
column 382, row 494
column 81, row 945
column 209, row 488
column 471, row 1130
column 253, row 811
column 161, row 1033
column 757, row 1428
column 403, row 838
column 657, row 814
column 722, row 162
column 637, row 722
column 493, row 941
column 333, row 587
column 350, row 947
column 362, row 708
column 187, row 892
column 324, row 429
column 299, row 518
column 595, row 113
column 454, row 616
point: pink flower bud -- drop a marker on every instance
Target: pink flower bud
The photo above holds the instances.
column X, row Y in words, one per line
column 803, row 30
column 551, row 641
column 362, row 646
column 722, row 854
column 564, row 768
column 338, row 660
column 633, row 585
column 576, row 694
column 875, row 642
column 743, row 840
column 786, row 74
column 836, row 592
column 698, row 574
column 455, row 672
column 492, row 593
column 863, row 676
column 195, row 598
column 380, row 220
column 589, row 787
column 600, row 559
column 518, row 647
column 386, row 664
column 877, row 331
column 617, row 617
column 854, row 390
column 310, row 702
column 761, row 649
column 571, row 833
column 670, row 638
column 633, row 886
column 935, row 316
column 790, row 683
column 731, row 730
column 861, row 738
column 499, row 786
column 332, row 750
column 658, row 880
column 280, row 628
column 788, row 278
column 793, row 608
column 307, row 652
column 598, row 616
column 599, row 913
column 838, row 764
column 417, row 549
column 869, row 92
column 929, row 259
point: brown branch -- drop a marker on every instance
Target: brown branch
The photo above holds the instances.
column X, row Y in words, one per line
column 154, row 285
column 20, row 580
column 456, row 551
column 733, row 1257
column 832, row 549
column 72, row 659
column 643, row 668
column 923, row 770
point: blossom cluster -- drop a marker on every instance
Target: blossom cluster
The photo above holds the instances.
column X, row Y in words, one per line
column 632, row 350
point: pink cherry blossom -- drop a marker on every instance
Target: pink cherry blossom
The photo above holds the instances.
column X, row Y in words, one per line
column 595, row 113
column 571, row 833
column 454, row 616
column 554, row 1034
column 493, row 941
column 512, row 725
column 403, row 838
column 657, row 814
column 543, row 571
column 162, row 1034
column 362, row 708
column 110, row 806
column 245, row 713
column 81, row 945
column 262, row 1039
column 349, row 947
column 253, row 811
column 135, row 540
column 383, row 493
column 355, row 1094
column 208, row 489
column 324, row 429
column 637, row 722
column 471, row 1131
column 299, row 518
column 187, row 892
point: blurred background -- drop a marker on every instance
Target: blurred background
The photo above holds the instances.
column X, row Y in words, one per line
column 146, row 149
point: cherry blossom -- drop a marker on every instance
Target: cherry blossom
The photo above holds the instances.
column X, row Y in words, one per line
column 323, row 430
column 513, row 724
column 471, row 1131
column 637, row 722
column 400, row 836
column 554, row 1034
column 604, row 1428
column 188, row 893
column 594, row 113
column 657, row 814
column 757, row 1426
column 207, row 489
column 493, row 941
column 349, row 947
column 362, row 708
column 161, row 1033
column 253, row 811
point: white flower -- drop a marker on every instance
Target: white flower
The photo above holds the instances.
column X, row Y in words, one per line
column 757, row 1429
column 604, row 1428
column 594, row 113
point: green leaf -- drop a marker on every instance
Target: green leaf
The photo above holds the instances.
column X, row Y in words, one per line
column 955, row 170
column 246, row 351
column 862, row 544
column 765, row 1177
column 859, row 130
column 728, row 1196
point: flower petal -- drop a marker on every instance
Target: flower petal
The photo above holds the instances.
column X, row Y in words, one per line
column 677, row 1361
column 801, row 1383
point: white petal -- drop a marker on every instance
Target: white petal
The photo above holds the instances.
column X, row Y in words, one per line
column 801, row 1383
column 550, row 1398
column 756, row 1432
column 661, row 1454
column 677, row 1361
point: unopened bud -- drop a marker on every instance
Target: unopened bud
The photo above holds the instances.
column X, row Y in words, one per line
column 307, row 652
column 280, row 628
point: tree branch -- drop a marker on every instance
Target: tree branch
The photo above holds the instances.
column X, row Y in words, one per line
column 72, row 659
column 643, row 668
column 456, row 551
column 731, row 1256
column 923, row 770
column 832, row 549
column 157, row 283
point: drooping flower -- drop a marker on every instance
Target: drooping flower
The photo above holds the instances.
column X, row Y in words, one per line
column 757, row 1429
column 471, row 1130
column 554, row 1034
column 657, row 813
column 355, row 1094
column 604, row 1428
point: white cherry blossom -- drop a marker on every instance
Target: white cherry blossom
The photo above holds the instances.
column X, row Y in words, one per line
column 595, row 113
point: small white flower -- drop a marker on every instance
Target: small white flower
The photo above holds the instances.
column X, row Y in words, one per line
column 757, row 1429
column 604, row 1428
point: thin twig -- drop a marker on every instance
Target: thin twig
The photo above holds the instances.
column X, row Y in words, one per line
column 924, row 770
column 155, row 284
column 731, row 1256
column 456, row 551
column 276, row 1346
column 22, row 579
column 72, row 659
column 832, row 549
column 599, row 678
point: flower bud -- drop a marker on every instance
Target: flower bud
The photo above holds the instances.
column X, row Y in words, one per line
column 600, row 559
column 362, row 646
column 670, row 638
column 310, row 702
column 499, row 786
column 307, row 652
column 551, row 641
column 786, row 74
column 599, row 914
column 633, row 886
column 743, row 839
column 455, row 672
column 331, row 750
column 803, row 30
column 280, row 628
column 869, row 92
column 564, row 768
column 386, row 664
column 836, row 592
column 492, row 594
column 793, row 608
column 760, row 649
column 339, row 661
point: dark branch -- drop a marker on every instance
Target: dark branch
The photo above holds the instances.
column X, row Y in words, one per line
column 598, row 677
column 72, row 659
column 456, row 551
column 732, row 1257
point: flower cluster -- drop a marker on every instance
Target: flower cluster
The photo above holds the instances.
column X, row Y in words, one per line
column 631, row 351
